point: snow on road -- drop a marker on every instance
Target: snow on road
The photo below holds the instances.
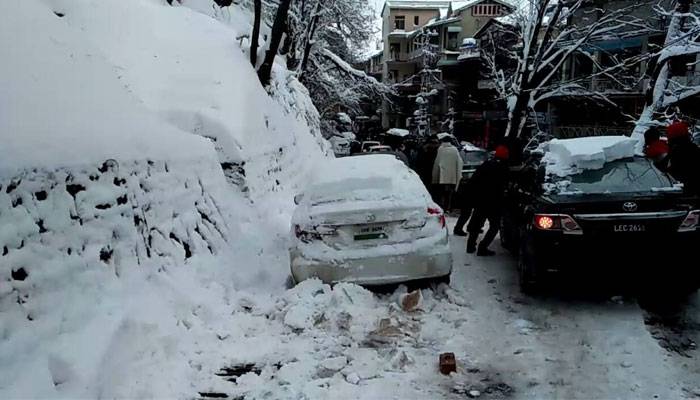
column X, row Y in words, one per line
column 348, row 343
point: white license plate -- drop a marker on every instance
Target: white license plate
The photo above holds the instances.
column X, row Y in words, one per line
column 629, row 228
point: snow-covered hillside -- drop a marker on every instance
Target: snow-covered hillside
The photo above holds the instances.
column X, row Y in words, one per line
column 146, row 183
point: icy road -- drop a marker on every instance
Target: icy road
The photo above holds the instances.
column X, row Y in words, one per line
column 348, row 343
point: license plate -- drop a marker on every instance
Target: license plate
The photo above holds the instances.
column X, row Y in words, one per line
column 625, row 228
column 371, row 233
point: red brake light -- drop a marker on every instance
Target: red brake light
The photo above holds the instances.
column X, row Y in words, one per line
column 557, row 222
column 544, row 222
column 434, row 210
column 441, row 216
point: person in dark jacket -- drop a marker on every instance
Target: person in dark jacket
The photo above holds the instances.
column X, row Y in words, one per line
column 465, row 207
column 425, row 161
column 487, row 188
column 683, row 160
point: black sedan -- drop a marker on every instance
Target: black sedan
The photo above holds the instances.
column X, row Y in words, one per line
column 627, row 217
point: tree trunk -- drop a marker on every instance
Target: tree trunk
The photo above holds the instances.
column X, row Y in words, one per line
column 660, row 82
column 257, row 5
column 278, row 29
column 309, row 42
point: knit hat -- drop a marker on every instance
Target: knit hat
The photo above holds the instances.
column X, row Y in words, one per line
column 656, row 149
column 677, row 130
column 502, row 152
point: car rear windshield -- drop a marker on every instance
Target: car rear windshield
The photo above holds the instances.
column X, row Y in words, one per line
column 475, row 157
column 622, row 176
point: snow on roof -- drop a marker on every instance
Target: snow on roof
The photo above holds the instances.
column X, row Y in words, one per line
column 441, row 6
column 566, row 157
column 458, row 6
column 62, row 103
column 369, row 177
column 398, row 132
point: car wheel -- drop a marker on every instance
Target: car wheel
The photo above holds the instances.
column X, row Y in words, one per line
column 527, row 271
column 446, row 279
column 505, row 235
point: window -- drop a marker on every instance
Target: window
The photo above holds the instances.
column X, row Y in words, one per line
column 416, row 20
column 395, row 50
column 400, row 22
column 486, row 10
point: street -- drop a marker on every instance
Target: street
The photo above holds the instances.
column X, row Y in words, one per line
column 346, row 342
column 589, row 344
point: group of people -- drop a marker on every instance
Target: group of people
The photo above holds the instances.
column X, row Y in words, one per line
column 678, row 155
column 439, row 164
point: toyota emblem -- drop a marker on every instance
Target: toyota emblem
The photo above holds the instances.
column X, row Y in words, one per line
column 371, row 218
column 630, row 206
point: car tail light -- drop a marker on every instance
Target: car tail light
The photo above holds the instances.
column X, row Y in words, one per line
column 557, row 222
column 307, row 234
column 691, row 222
column 434, row 210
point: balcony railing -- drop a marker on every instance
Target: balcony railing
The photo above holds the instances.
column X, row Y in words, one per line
column 568, row 132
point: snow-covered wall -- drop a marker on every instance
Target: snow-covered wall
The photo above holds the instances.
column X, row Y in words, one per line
column 146, row 180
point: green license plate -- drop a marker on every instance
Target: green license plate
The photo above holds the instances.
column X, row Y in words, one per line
column 371, row 236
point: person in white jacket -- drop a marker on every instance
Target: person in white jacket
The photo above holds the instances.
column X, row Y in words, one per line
column 447, row 171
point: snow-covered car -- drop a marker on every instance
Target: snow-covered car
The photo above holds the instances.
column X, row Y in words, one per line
column 368, row 220
column 340, row 146
column 590, row 205
column 472, row 158
column 380, row 149
column 367, row 144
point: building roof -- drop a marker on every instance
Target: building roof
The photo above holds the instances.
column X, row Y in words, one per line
column 438, row 5
column 460, row 5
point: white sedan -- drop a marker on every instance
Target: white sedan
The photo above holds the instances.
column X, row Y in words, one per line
column 368, row 220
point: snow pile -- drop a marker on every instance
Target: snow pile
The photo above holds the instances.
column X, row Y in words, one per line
column 369, row 177
column 146, row 184
column 398, row 132
column 565, row 157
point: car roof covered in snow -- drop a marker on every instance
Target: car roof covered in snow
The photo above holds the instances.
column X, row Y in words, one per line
column 372, row 177
column 564, row 157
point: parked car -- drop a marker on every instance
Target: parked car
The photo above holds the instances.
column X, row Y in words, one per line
column 472, row 157
column 628, row 218
column 369, row 143
column 368, row 220
column 380, row 149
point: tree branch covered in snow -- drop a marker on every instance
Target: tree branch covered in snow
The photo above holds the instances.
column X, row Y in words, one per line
column 676, row 77
column 551, row 33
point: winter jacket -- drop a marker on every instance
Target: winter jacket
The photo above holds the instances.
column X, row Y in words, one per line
column 684, row 165
column 424, row 164
column 447, row 169
column 487, row 186
column 402, row 156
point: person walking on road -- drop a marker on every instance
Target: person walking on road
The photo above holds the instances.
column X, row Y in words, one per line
column 487, row 187
column 401, row 153
column 465, row 207
column 447, row 171
column 425, row 160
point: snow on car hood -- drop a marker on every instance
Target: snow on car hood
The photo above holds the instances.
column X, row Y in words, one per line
column 565, row 157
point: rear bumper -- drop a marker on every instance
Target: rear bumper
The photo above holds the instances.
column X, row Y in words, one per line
column 676, row 253
column 379, row 270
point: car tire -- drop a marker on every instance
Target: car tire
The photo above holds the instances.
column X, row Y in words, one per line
column 527, row 271
column 446, row 279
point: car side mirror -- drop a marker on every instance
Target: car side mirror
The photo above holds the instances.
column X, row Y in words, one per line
column 298, row 198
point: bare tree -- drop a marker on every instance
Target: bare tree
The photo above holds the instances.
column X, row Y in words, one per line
column 682, row 42
column 549, row 38
column 257, row 12
column 278, row 30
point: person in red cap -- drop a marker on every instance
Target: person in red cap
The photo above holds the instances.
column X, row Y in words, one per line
column 487, row 187
column 683, row 161
column 655, row 148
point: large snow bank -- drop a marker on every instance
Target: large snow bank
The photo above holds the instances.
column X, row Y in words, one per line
column 115, row 276
column 61, row 103
column 566, row 157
